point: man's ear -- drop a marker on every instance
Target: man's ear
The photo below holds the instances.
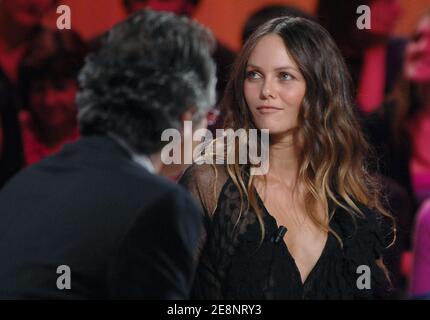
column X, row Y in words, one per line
column 188, row 115
column 173, row 170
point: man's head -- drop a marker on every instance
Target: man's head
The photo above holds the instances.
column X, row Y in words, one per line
column 152, row 69
column 179, row 7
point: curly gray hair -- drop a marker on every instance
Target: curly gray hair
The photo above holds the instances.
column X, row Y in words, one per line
column 150, row 70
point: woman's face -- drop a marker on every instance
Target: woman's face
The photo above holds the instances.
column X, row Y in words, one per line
column 274, row 87
column 417, row 56
column 53, row 103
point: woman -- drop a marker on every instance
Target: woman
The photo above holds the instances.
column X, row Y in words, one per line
column 290, row 78
column 414, row 105
column 400, row 129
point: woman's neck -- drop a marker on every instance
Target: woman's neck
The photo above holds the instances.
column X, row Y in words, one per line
column 283, row 160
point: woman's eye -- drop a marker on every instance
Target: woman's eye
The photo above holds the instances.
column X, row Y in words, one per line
column 286, row 76
column 252, row 75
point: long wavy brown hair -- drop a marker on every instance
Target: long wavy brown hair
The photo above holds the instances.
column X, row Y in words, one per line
column 333, row 149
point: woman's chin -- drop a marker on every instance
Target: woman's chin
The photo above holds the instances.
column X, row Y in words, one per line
column 275, row 132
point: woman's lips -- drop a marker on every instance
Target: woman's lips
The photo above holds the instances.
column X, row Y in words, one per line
column 268, row 109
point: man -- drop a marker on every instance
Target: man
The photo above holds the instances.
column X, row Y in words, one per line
column 93, row 221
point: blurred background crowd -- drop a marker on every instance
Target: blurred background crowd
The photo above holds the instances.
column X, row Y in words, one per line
column 389, row 64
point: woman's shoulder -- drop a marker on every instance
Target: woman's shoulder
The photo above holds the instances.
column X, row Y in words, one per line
column 365, row 237
column 360, row 215
column 205, row 182
column 368, row 227
column 202, row 172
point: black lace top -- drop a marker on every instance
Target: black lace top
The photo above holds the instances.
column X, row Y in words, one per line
column 234, row 265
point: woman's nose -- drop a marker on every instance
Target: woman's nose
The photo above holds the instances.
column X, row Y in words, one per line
column 267, row 91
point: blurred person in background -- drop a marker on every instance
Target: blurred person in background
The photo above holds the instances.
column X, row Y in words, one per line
column 47, row 86
column 373, row 56
column 414, row 105
column 20, row 22
column 400, row 129
column 410, row 117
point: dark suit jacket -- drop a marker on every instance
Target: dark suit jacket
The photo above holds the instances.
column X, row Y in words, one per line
column 122, row 231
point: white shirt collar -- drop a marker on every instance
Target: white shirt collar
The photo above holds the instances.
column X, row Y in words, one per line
column 140, row 159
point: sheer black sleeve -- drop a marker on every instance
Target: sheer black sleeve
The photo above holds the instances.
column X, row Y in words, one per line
column 205, row 182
